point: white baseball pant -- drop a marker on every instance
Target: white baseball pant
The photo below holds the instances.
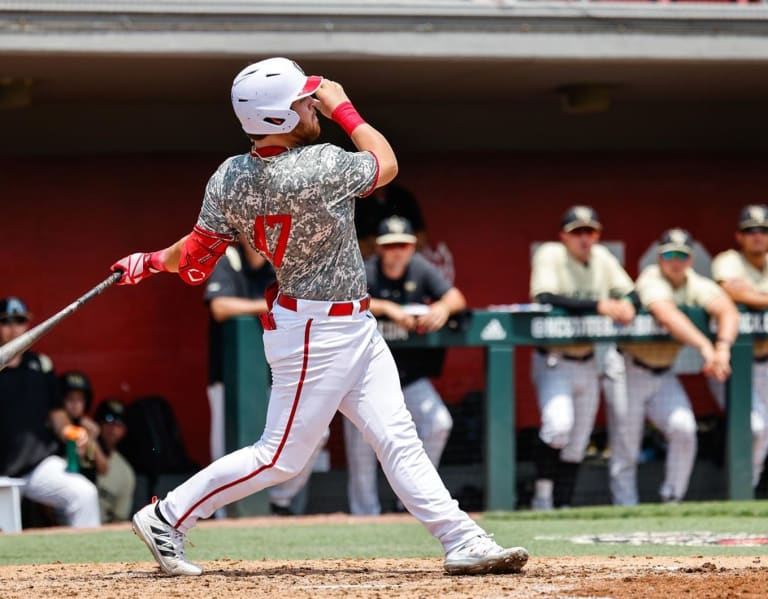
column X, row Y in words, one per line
column 568, row 394
column 433, row 425
column 281, row 494
column 321, row 364
column 633, row 392
column 758, row 416
column 71, row 494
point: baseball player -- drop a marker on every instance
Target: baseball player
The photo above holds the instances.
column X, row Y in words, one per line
column 236, row 288
column 32, row 419
column 652, row 389
column 743, row 274
column 579, row 275
column 293, row 200
column 401, row 284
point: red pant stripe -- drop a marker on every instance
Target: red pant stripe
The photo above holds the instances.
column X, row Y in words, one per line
column 282, row 441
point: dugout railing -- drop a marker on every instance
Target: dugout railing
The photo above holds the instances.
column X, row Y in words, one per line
column 499, row 331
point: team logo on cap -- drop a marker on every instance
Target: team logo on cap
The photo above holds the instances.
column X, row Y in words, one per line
column 583, row 213
column 757, row 214
column 76, row 380
column 678, row 236
column 396, row 225
column 15, row 306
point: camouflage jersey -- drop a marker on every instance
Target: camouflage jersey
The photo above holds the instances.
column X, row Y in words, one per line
column 296, row 208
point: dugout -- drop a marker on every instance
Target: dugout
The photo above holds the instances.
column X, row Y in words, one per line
column 114, row 114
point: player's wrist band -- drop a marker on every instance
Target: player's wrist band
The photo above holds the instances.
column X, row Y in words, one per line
column 347, row 117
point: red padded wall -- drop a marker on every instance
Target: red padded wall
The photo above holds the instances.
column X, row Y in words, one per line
column 64, row 221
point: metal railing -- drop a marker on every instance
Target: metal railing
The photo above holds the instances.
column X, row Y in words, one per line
column 500, row 332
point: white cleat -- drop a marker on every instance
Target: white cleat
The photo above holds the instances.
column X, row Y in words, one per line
column 482, row 555
column 165, row 542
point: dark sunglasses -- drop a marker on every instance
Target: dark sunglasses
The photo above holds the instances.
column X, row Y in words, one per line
column 13, row 320
column 396, row 246
column 753, row 230
column 675, row 255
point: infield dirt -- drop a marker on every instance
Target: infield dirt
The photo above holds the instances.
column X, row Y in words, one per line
column 596, row 577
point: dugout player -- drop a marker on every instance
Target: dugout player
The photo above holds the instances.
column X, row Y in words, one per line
column 294, row 201
column 652, row 389
column 237, row 287
column 743, row 274
column 32, row 420
column 578, row 275
column 385, row 201
column 411, row 292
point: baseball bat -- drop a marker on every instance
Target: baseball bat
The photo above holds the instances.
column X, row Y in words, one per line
column 24, row 341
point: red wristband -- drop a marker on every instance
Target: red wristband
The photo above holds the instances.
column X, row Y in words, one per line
column 347, row 117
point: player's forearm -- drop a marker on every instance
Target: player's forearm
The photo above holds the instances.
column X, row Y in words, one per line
column 223, row 308
column 380, row 307
column 747, row 296
column 727, row 317
column 367, row 138
column 572, row 304
column 100, row 460
column 169, row 258
column 678, row 324
column 59, row 420
column 194, row 257
column 453, row 300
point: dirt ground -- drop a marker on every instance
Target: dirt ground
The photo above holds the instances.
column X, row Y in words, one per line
column 383, row 578
column 619, row 578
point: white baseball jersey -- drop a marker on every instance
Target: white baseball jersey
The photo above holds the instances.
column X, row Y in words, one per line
column 651, row 287
column 732, row 264
column 555, row 270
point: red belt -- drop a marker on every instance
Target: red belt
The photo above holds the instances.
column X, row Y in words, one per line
column 336, row 309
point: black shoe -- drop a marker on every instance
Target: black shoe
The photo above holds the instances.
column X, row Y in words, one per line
column 278, row 510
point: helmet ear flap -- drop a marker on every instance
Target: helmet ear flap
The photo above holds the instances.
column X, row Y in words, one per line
column 271, row 121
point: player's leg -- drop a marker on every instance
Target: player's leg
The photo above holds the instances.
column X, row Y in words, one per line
column 585, row 399
column 759, row 419
column 362, row 473
column 217, row 434
column 72, row 494
column 432, row 419
column 758, row 415
column 216, row 405
column 671, row 412
column 627, row 389
column 552, row 378
column 309, row 369
column 377, row 408
column 282, row 496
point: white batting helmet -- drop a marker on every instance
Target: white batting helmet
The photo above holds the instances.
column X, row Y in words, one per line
column 263, row 92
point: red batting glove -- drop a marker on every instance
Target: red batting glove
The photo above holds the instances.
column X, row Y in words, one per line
column 138, row 267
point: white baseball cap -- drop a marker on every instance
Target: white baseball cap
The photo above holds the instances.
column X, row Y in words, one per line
column 262, row 94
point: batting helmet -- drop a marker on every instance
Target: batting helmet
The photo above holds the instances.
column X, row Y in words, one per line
column 263, row 92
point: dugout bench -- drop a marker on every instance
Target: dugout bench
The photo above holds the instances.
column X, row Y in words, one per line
column 499, row 330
